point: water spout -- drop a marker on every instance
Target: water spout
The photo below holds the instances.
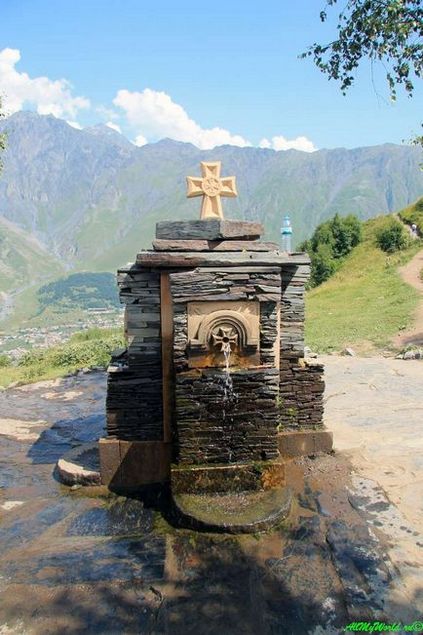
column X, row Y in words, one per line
column 228, row 387
column 228, row 397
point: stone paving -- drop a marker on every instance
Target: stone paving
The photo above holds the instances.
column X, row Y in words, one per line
column 75, row 562
column 374, row 407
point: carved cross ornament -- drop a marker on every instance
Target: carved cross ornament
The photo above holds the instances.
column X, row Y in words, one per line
column 225, row 337
column 211, row 187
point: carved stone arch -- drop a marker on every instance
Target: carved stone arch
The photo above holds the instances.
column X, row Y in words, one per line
column 246, row 337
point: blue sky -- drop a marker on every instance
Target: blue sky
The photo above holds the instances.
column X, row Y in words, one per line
column 208, row 73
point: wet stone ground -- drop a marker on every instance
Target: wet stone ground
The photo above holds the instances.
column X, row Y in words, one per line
column 75, row 562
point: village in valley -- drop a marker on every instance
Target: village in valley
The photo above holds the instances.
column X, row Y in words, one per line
column 16, row 343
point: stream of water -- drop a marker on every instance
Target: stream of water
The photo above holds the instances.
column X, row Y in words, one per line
column 228, row 386
column 228, row 396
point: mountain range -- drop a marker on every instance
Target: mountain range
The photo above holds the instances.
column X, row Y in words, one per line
column 73, row 200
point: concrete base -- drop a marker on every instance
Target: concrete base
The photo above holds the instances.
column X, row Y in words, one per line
column 129, row 465
column 241, row 477
column 244, row 512
column 304, row 443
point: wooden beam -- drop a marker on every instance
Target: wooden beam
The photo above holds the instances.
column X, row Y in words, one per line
column 212, row 245
column 167, row 354
column 224, row 259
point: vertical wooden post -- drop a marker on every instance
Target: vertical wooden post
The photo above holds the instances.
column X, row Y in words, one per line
column 277, row 346
column 166, row 315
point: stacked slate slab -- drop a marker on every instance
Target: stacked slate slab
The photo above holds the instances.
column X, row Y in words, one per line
column 134, row 393
column 209, row 428
column 158, row 393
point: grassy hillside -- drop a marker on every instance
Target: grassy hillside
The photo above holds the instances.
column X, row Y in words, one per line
column 85, row 290
column 365, row 303
column 414, row 214
column 89, row 349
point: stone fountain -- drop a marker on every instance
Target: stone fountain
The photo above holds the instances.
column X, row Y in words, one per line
column 212, row 394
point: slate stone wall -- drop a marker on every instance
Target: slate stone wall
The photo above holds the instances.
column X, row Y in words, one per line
column 208, row 428
column 294, row 278
column 262, row 284
column 234, row 283
column 301, row 381
column 134, row 396
column 291, row 397
column 269, row 333
column 301, row 394
column 211, row 429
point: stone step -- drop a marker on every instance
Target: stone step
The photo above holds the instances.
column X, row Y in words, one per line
column 208, row 230
column 213, row 245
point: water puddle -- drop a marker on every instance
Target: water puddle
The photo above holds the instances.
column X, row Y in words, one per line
column 120, row 518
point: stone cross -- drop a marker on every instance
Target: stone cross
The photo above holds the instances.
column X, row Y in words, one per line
column 211, row 187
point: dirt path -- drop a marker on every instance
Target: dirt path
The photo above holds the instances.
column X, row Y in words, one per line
column 410, row 273
column 374, row 408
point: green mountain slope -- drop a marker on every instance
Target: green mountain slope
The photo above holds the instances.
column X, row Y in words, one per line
column 88, row 200
column 23, row 258
column 413, row 214
column 80, row 291
column 93, row 198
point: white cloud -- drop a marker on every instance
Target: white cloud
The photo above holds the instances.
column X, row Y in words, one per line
column 114, row 126
column 140, row 140
column 74, row 124
column 265, row 143
column 50, row 97
column 151, row 114
column 155, row 115
column 281, row 143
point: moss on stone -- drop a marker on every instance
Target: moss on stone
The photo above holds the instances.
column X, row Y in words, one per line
column 244, row 512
